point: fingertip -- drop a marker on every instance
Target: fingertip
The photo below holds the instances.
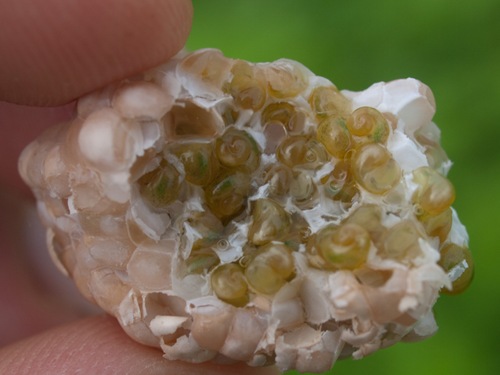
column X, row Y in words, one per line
column 54, row 51
column 98, row 345
column 20, row 125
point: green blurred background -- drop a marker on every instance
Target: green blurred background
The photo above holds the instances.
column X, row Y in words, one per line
column 452, row 46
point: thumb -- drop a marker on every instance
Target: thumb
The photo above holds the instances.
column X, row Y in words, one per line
column 98, row 345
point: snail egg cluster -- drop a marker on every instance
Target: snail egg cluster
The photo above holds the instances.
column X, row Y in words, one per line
column 229, row 211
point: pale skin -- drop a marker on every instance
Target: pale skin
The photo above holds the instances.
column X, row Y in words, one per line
column 54, row 51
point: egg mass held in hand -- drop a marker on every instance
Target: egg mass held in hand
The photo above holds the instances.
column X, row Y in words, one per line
column 228, row 211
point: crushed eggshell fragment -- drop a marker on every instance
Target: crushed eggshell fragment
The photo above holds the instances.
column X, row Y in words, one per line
column 228, row 211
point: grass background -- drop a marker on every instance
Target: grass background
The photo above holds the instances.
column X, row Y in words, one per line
column 452, row 46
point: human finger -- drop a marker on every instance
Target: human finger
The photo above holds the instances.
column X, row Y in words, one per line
column 19, row 125
column 56, row 50
column 97, row 345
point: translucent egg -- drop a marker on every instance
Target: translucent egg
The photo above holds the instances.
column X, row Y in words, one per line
column 229, row 284
column 269, row 270
column 343, row 247
column 236, row 148
column 333, row 134
column 457, row 262
column 327, row 101
column 435, row 193
column 160, row 186
column 375, row 169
